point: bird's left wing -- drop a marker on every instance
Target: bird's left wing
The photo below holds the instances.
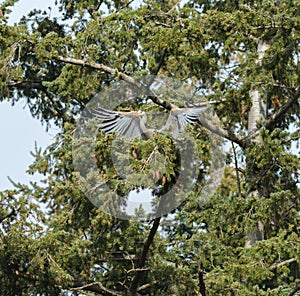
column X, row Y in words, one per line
column 123, row 123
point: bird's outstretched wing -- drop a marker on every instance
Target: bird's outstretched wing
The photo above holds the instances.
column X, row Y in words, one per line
column 180, row 117
column 189, row 115
column 126, row 124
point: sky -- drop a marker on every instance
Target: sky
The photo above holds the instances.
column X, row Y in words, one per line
column 19, row 131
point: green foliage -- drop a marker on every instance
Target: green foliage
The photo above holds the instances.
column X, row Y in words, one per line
column 53, row 240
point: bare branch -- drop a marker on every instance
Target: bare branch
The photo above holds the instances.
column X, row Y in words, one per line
column 283, row 110
column 295, row 290
column 280, row 264
column 238, row 181
column 91, row 10
column 119, row 75
column 96, row 287
column 276, row 116
column 134, row 284
column 137, row 269
column 28, row 84
column 201, row 283
column 203, row 104
column 218, row 130
column 143, row 287
column 161, row 62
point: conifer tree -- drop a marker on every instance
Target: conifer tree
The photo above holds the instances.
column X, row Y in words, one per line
column 245, row 239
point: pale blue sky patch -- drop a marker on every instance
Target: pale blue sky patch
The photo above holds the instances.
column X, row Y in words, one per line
column 19, row 131
column 23, row 7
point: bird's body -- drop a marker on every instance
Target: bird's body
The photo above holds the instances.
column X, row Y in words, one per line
column 133, row 123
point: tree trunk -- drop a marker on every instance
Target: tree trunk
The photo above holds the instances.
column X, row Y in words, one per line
column 257, row 114
column 258, row 110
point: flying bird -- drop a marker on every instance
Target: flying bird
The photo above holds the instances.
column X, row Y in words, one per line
column 133, row 123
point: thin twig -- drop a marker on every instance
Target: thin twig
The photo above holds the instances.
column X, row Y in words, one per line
column 149, row 158
column 236, row 170
column 295, row 290
column 137, row 269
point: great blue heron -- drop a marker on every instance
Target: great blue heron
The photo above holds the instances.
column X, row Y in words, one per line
column 133, row 124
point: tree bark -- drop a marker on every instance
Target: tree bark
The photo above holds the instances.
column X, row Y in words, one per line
column 258, row 110
column 136, row 280
column 257, row 115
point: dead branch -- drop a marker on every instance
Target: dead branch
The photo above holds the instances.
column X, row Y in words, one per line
column 96, row 287
column 280, row 264
column 275, row 117
column 135, row 282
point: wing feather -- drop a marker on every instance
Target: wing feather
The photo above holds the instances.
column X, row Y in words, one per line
column 123, row 123
column 180, row 117
column 189, row 116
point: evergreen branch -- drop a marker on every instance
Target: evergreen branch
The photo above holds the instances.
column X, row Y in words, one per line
column 11, row 214
column 294, row 138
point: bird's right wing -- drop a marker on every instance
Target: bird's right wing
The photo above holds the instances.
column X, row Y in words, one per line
column 180, row 117
column 189, row 116
column 123, row 123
